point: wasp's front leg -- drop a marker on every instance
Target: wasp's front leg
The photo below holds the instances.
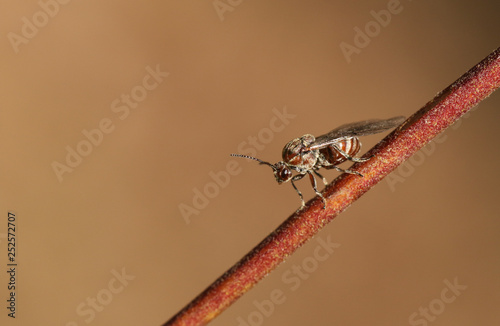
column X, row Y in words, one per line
column 295, row 178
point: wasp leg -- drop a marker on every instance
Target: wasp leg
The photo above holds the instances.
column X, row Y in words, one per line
column 322, row 177
column 313, row 183
column 343, row 171
column 295, row 178
column 349, row 157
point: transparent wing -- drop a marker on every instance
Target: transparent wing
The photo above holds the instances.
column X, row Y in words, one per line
column 355, row 129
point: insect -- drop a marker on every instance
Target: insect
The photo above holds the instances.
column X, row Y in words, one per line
column 307, row 154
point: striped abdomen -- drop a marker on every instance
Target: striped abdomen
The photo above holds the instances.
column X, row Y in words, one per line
column 329, row 156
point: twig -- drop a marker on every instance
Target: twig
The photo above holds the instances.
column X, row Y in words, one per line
column 474, row 86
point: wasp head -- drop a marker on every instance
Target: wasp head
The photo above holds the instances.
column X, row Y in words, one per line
column 282, row 172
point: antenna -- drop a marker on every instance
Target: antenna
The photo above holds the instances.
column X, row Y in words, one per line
column 255, row 159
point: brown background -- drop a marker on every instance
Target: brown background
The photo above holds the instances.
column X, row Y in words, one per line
column 120, row 207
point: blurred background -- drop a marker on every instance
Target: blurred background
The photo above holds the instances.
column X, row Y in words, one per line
column 116, row 124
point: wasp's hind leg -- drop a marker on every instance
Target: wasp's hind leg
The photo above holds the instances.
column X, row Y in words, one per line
column 349, row 157
column 343, row 171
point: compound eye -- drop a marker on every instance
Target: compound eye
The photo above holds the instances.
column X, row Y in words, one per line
column 285, row 174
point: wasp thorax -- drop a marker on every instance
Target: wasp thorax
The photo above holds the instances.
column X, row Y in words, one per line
column 282, row 172
column 296, row 153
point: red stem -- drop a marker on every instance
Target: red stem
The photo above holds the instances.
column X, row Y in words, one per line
column 474, row 86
